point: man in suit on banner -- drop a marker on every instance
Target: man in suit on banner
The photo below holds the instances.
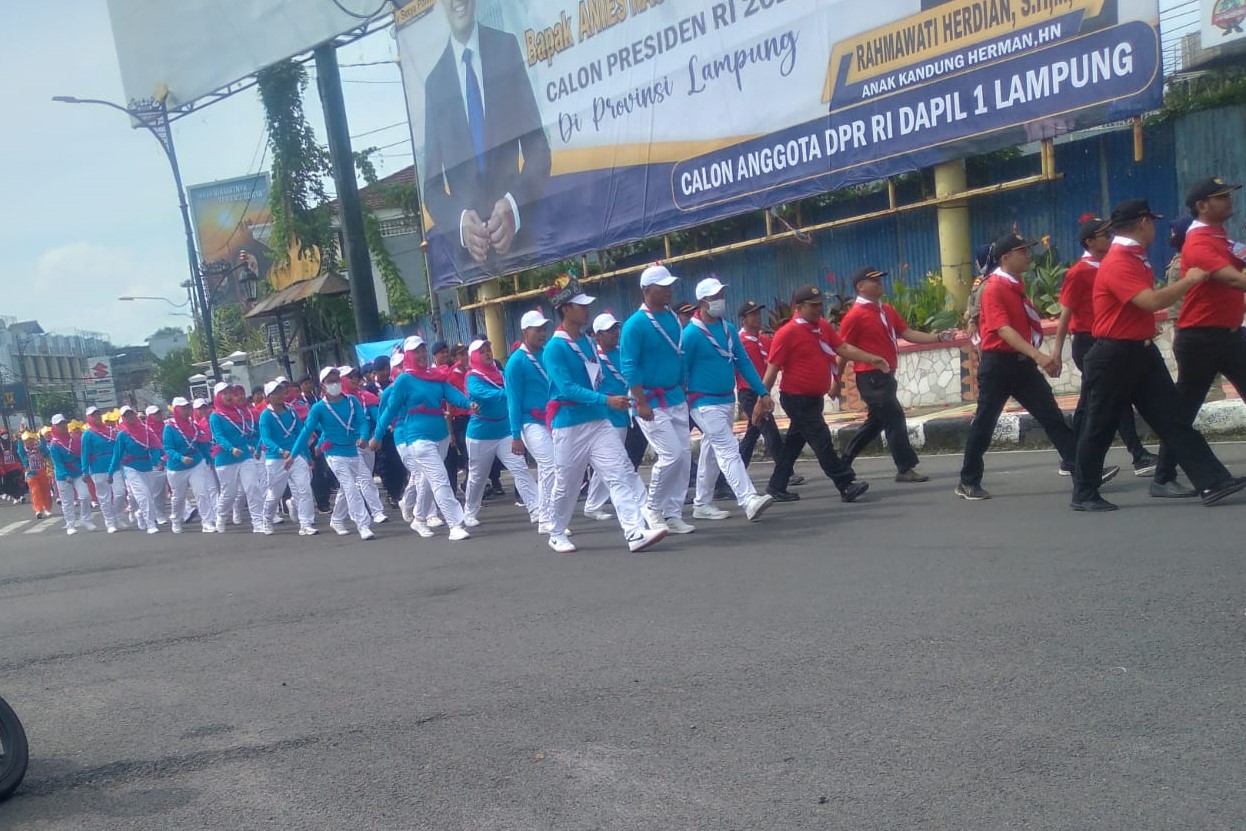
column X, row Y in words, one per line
column 487, row 157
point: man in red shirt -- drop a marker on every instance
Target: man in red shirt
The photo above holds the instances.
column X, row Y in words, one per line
column 805, row 349
column 1209, row 337
column 1012, row 334
column 875, row 326
column 1125, row 367
column 1077, row 316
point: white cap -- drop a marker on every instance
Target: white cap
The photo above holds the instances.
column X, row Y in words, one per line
column 92, row 410
column 412, row 343
column 604, row 322
column 126, row 409
column 708, row 288
column 656, row 275
column 327, row 371
column 476, row 344
column 58, row 419
column 152, row 409
column 532, row 320
column 395, row 360
column 178, row 402
column 219, row 387
column 345, row 370
column 199, row 402
column 581, row 300
column 271, row 387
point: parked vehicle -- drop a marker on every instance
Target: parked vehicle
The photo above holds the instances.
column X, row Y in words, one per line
column 14, row 752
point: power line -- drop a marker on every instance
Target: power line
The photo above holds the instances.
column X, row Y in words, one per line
column 379, row 129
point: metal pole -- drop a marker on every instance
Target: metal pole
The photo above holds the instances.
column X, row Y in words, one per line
column 362, row 291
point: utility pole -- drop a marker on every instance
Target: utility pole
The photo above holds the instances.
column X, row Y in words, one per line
column 358, row 262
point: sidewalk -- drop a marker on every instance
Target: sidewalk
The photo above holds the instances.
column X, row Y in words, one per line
column 944, row 430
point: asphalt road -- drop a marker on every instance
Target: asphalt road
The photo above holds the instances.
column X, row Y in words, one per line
column 913, row 661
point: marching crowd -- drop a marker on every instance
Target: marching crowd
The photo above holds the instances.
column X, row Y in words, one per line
column 575, row 401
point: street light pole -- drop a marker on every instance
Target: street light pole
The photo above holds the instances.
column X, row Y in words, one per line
column 154, row 116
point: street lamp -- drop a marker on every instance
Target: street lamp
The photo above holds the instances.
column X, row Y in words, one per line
column 154, row 297
column 153, row 115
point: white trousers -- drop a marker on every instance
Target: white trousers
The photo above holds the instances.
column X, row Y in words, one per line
column 367, row 485
column 110, row 496
column 595, row 443
column 139, row 484
column 159, row 496
column 720, row 450
column 298, row 477
column 539, row 442
column 427, row 459
column 480, row 456
column 599, row 492
column 348, row 472
column 245, row 480
column 73, row 494
column 668, row 436
column 199, row 478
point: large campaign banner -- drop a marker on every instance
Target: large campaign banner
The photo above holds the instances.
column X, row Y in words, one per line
column 549, row 128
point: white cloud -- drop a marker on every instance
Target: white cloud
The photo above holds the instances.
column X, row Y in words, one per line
column 76, row 286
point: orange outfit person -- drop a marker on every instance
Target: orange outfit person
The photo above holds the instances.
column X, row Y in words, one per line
column 38, row 476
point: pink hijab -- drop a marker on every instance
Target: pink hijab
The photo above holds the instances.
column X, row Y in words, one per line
column 485, row 369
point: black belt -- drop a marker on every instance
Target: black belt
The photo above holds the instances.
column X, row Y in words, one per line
column 1142, row 343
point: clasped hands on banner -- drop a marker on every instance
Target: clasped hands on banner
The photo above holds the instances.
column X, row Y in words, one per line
column 498, row 233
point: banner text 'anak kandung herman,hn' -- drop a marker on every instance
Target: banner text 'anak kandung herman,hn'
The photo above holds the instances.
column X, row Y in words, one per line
column 553, row 127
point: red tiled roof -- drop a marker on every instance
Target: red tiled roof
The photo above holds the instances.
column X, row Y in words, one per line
column 372, row 195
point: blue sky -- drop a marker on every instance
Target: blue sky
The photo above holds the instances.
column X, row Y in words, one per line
column 90, row 211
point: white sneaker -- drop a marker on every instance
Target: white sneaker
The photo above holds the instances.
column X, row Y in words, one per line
column 757, row 505
column 644, row 539
column 561, row 544
column 111, row 529
column 220, row 526
column 339, row 529
column 457, row 533
column 267, row 529
column 209, row 529
column 544, row 527
column 676, row 525
column 237, row 518
column 88, row 524
column 653, row 518
column 407, row 516
column 421, row 528
column 289, row 503
column 176, row 528
column 155, row 529
column 380, row 518
column 161, row 521
column 707, row 512
column 308, row 531
column 435, row 521
column 366, row 534
column 471, row 521
column 277, row 519
column 600, row 515
column 71, row 531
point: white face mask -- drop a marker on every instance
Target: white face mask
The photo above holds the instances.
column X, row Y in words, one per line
column 333, row 390
column 718, row 308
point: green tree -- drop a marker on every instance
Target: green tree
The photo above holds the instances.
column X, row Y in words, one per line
column 172, row 372
column 48, row 404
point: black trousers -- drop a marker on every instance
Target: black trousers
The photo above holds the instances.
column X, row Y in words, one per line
column 885, row 416
column 1132, row 372
column 1128, row 428
column 808, row 426
column 322, row 482
column 769, row 429
column 393, row 471
column 1201, row 353
column 1004, row 375
column 456, row 456
column 13, row 484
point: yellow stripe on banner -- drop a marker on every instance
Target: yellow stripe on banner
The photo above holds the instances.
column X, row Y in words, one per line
column 938, row 31
column 583, row 159
column 413, row 11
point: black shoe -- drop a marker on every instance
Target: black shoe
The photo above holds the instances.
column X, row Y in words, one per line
column 1109, row 474
column 782, row 496
column 723, row 493
column 974, row 493
column 1094, row 505
column 854, row 490
column 1227, row 488
column 1144, row 464
column 795, row 481
column 498, row 490
column 1171, row 490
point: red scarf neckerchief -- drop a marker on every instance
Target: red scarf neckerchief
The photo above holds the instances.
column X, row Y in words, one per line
column 1036, row 322
column 240, row 417
column 366, row 397
column 424, row 373
column 745, row 334
column 140, row 432
column 486, row 370
column 101, row 429
column 882, row 315
column 190, row 429
column 71, row 443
